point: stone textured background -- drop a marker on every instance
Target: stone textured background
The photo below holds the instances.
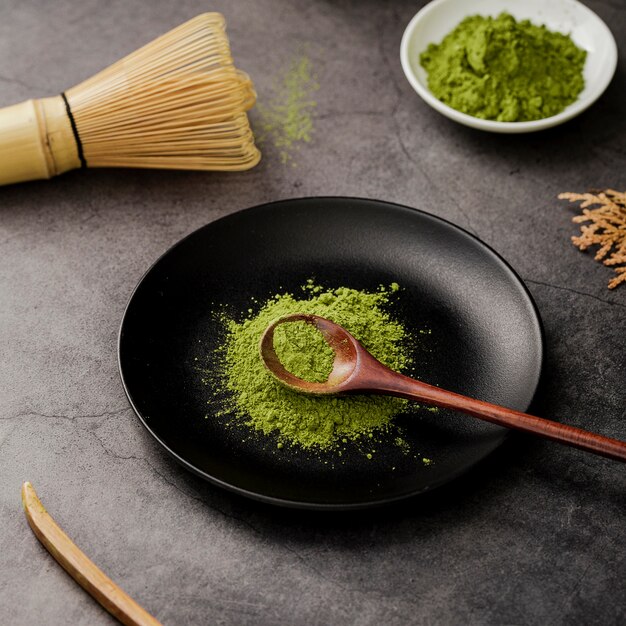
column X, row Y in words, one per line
column 534, row 535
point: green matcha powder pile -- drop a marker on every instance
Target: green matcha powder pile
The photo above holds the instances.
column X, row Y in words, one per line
column 505, row 70
column 262, row 403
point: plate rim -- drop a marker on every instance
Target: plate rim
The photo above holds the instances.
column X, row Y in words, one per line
column 321, row 506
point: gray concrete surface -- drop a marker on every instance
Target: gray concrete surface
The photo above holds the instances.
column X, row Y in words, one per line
column 534, row 535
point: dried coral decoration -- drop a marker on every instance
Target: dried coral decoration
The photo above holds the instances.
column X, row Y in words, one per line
column 177, row 103
column 603, row 226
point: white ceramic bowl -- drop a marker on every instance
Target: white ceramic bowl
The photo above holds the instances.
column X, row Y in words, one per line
column 586, row 29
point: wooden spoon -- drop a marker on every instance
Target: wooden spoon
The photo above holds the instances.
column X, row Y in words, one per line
column 355, row 370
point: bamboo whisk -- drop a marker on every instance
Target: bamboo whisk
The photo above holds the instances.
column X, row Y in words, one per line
column 177, row 103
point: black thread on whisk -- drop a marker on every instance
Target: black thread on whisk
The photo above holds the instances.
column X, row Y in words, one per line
column 79, row 143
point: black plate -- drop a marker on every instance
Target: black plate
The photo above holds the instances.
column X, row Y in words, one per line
column 486, row 342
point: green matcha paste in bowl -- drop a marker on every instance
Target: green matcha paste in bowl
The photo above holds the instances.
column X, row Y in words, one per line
column 505, row 70
column 252, row 397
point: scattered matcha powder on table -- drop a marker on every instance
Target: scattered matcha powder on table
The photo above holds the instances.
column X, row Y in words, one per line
column 505, row 70
column 286, row 119
column 256, row 398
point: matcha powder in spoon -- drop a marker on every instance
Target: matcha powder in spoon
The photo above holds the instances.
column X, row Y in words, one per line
column 303, row 351
column 254, row 397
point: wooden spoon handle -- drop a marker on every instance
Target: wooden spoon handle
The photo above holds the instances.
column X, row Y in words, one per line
column 79, row 567
column 405, row 387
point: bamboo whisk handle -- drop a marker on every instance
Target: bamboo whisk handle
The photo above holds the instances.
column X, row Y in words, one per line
column 36, row 141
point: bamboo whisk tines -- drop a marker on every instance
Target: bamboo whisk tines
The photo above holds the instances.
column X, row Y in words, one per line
column 177, row 103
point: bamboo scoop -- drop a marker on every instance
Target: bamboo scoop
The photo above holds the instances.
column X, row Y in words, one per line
column 177, row 103
column 355, row 370
column 79, row 567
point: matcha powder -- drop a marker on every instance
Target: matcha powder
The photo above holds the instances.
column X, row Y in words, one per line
column 286, row 120
column 256, row 398
column 303, row 351
column 505, row 70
